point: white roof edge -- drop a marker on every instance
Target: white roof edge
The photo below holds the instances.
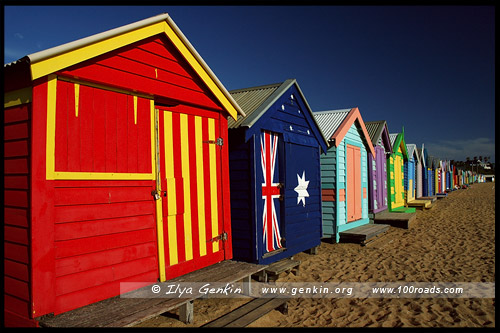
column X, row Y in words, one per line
column 204, row 65
column 334, row 111
column 38, row 56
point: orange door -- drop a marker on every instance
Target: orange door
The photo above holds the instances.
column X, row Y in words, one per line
column 353, row 183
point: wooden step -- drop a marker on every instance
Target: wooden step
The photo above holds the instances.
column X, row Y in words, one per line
column 441, row 195
column 272, row 271
column 362, row 234
column 395, row 219
column 432, row 198
column 122, row 311
column 420, row 204
column 249, row 312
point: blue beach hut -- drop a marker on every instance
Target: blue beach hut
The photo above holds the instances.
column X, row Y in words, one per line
column 410, row 172
column 275, row 185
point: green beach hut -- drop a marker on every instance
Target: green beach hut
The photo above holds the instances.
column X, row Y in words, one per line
column 395, row 174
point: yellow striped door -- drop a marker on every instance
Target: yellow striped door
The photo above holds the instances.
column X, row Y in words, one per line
column 190, row 191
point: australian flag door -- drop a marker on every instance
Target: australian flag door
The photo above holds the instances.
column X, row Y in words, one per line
column 302, row 197
column 271, row 150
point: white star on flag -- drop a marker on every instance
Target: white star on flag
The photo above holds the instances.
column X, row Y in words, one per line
column 301, row 189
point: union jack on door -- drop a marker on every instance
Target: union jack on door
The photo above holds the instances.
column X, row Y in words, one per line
column 270, row 192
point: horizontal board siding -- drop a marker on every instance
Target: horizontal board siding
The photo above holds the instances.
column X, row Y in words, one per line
column 76, row 247
column 16, row 219
column 69, row 301
column 327, row 195
column 105, row 233
column 93, row 228
column 96, row 195
column 101, row 211
column 88, row 279
column 16, row 305
column 16, row 270
column 241, row 210
column 87, row 262
column 152, row 66
column 16, row 234
column 329, row 184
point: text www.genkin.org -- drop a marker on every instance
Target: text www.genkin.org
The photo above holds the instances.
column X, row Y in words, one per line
column 308, row 290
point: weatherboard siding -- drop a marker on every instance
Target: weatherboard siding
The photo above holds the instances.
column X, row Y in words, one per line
column 377, row 175
column 242, row 213
column 328, row 183
column 333, row 168
column 396, row 179
column 300, row 225
column 17, row 226
column 152, row 66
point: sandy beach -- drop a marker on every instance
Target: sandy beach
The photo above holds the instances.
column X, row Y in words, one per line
column 452, row 242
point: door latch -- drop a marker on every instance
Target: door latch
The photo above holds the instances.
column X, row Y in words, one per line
column 155, row 195
column 222, row 236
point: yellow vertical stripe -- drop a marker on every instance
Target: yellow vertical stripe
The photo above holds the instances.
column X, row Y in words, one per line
column 135, row 110
column 169, row 172
column 51, row 126
column 200, row 184
column 188, row 244
column 436, row 182
column 155, row 159
column 77, row 98
column 155, row 141
column 213, row 184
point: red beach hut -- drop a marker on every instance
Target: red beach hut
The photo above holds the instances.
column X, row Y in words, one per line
column 116, row 168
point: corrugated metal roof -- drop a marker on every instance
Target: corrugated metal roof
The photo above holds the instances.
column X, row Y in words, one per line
column 17, row 62
column 374, row 129
column 392, row 137
column 410, row 147
column 329, row 121
column 249, row 100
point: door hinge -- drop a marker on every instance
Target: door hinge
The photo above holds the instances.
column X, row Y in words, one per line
column 222, row 237
column 218, row 142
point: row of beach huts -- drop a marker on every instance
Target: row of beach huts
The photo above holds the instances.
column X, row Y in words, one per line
column 126, row 159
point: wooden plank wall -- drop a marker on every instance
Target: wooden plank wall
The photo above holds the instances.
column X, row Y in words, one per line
column 303, row 223
column 152, row 66
column 17, row 295
column 328, row 183
column 108, row 133
column 105, row 233
column 242, row 210
column 354, row 136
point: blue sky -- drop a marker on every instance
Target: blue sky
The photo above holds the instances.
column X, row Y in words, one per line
column 430, row 69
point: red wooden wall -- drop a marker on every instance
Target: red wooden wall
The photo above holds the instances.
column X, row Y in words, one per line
column 98, row 233
column 104, row 136
column 17, row 278
column 104, row 230
column 153, row 66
